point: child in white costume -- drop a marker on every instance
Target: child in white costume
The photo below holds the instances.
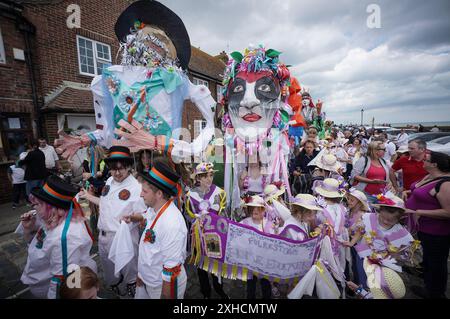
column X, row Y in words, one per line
column 304, row 209
column 62, row 238
column 334, row 213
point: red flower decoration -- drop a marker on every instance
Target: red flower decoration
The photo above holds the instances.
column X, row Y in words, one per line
column 386, row 201
column 247, row 199
column 278, row 184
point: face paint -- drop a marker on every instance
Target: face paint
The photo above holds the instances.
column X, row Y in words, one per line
column 253, row 101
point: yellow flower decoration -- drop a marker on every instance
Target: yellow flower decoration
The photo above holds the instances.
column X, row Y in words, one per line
column 392, row 248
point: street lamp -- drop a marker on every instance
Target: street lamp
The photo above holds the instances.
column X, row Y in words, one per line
column 362, row 116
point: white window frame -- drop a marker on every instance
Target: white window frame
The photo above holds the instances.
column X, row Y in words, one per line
column 198, row 81
column 95, row 57
column 219, row 89
column 2, row 50
column 199, row 125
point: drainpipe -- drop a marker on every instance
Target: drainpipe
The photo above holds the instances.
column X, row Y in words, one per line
column 29, row 31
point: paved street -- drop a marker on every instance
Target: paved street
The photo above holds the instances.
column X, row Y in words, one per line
column 13, row 255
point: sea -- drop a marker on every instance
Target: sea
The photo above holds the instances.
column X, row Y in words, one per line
column 426, row 124
column 405, row 124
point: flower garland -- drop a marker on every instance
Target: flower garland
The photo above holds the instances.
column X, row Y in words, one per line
column 137, row 51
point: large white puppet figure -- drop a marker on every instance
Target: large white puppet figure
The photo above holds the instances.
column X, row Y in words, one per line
column 142, row 99
column 255, row 92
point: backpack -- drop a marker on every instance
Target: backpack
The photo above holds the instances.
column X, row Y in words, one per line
column 366, row 160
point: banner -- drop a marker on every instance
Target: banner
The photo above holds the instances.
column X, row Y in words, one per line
column 237, row 251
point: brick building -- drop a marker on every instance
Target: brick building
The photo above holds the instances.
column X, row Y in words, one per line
column 46, row 66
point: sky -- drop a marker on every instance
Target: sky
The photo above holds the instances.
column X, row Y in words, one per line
column 393, row 60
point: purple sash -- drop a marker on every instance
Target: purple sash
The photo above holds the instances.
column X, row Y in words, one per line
column 293, row 227
column 195, row 203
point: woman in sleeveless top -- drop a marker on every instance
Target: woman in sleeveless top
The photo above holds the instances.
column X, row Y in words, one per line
column 430, row 201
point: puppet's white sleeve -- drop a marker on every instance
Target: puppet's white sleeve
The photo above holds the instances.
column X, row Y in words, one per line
column 201, row 97
column 103, row 135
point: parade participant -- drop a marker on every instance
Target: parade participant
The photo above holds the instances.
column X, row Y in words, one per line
column 354, row 152
column 430, row 201
column 297, row 122
column 302, row 221
column 383, row 239
column 334, row 213
column 89, row 285
column 276, row 210
column 120, row 197
column 371, row 174
column 312, row 135
column 162, row 248
column 327, row 167
column 203, row 199
column 143, row 166
column 358, row 205
column 256, row 209
column 142, row 99
column 59, row 238
column 253, row 180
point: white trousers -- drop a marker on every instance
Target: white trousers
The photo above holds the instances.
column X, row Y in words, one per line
column 129, row 272
column 148, row 292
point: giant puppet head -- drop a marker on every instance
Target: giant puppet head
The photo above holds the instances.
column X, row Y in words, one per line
column 253, row 85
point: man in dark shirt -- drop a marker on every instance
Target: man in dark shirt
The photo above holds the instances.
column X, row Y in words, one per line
column 35, row 170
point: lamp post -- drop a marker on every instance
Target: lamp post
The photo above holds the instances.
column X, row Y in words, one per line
column 362, row 116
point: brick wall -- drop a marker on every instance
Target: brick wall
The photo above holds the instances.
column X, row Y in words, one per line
column 56, row 43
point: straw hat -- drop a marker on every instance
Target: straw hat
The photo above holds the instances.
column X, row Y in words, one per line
column 389, row 284
column 254, row 201
column 328, row 162
column 403, row 149
column 388, row 200
column 272, row 191
column 307, row 201
column 329, row 187
column 361, row 197
column 203, row 168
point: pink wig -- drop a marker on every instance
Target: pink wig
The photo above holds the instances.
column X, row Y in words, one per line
column 53, row 216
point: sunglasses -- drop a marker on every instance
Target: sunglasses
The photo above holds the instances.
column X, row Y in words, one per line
column 381, row 149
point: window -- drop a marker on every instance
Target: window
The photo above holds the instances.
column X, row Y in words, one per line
column 92, row 56
column 219, row 93
column 198, row 81
column 199, row 125
column 16, row 133
column 2, row 49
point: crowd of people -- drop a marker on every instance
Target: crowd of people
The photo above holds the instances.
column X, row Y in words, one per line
column 348, row 183
column 357, row 207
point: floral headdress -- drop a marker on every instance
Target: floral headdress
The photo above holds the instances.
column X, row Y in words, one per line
column 255, row 60
column 136, row 52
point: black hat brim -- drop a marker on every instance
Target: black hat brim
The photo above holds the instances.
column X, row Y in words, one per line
column 42, row 195
column 154, row 182
column 128, row 160
column 155, row 13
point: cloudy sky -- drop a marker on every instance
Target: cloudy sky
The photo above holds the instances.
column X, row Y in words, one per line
column 399, row 72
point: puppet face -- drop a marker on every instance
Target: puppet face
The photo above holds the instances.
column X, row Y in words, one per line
column 306, row 100
column 253, row 101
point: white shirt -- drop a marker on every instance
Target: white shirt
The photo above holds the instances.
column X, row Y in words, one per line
column 435, row 129
column 112, row 208
column 169, row 248
column 402, row 140
column 291, row 233
column 46, row 262
column 50, row 156
column 390, row 151
column 17, row 174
